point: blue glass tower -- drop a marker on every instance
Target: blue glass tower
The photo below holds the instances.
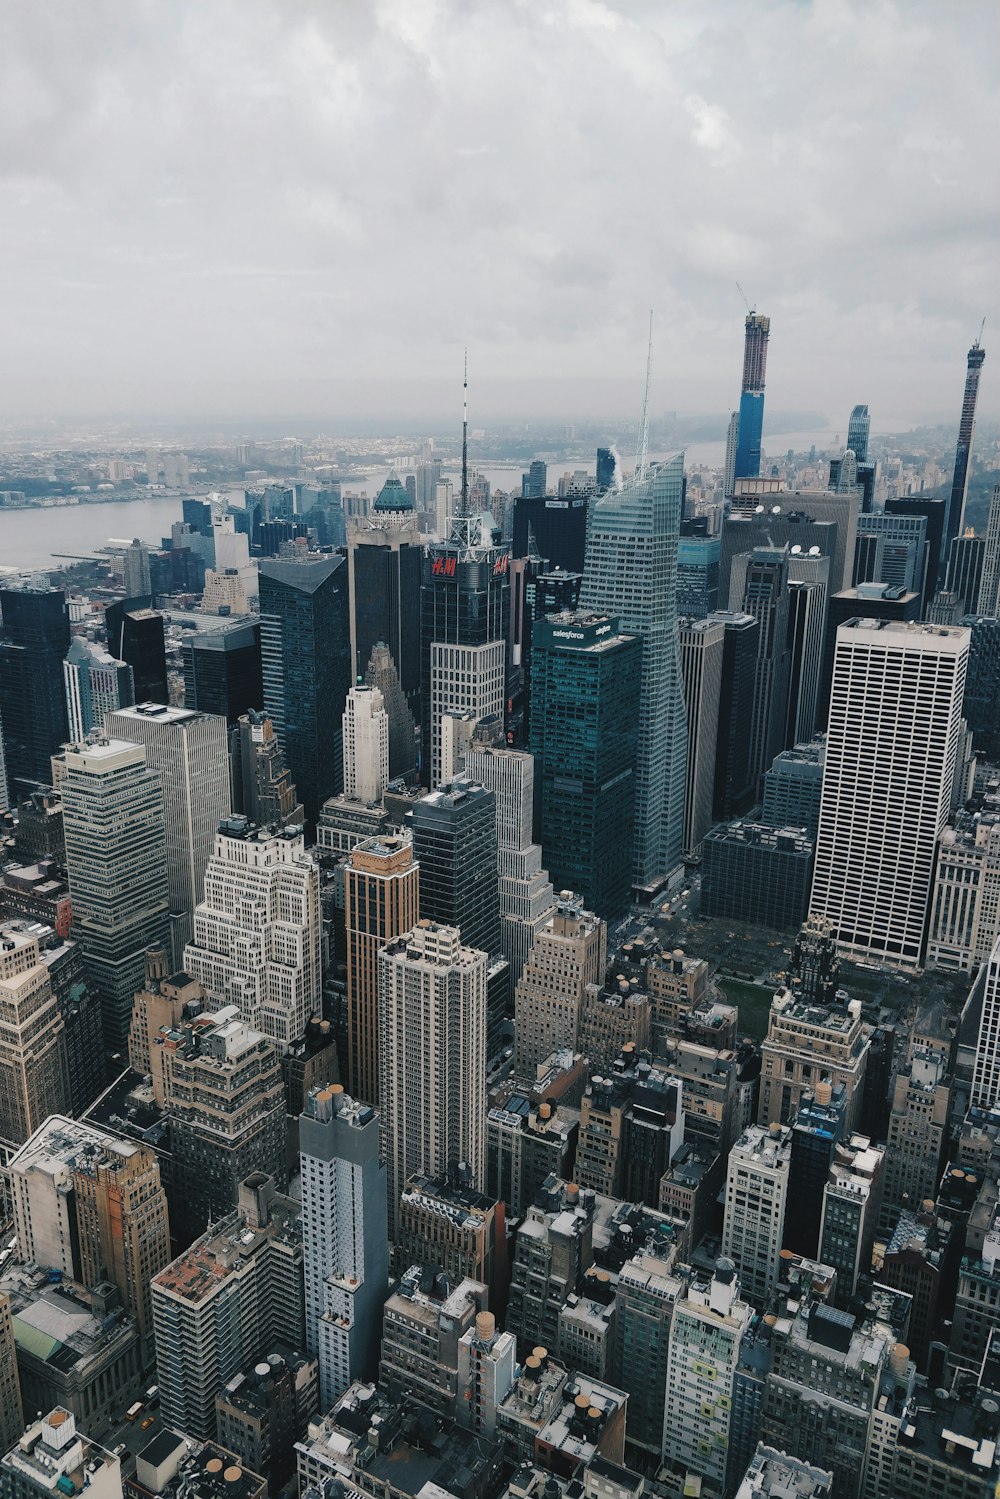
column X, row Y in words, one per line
column 751, row 420
column 858, row 429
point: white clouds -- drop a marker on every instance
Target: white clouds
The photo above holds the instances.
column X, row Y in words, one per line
column 245, row 200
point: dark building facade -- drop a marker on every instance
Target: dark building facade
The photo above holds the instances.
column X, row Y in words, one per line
column 605, row 468
column 981, row 704
column 733, row 791
column 455, row 844
column 760, row 589
column 963, row 448
column 135, row 636
column 34, row 639
column 751, row 423
column 586, row 679
column 385, row 560
column 222, row 670
column 559, row 528
column 934, row 512
column 698, row 563
column 306, row 664
column 757, row 874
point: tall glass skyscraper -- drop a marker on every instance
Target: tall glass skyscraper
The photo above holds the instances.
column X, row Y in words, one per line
column 34, row 638
column 858, row 429
column 963, row 449
column 631, row 574
column 305, row 638
column 751, row 423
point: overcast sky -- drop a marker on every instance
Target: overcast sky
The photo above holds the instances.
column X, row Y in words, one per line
column 279, row 208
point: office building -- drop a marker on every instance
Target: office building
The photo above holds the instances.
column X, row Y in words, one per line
column 793, row 786
column 526, row 1141
column 257, row 934
column 823, row 518
column 366, row 745
column 933, row 511
column 631, row 573
column 885, row 601
column 526, row 894
column 852, row 1199
column 11, row 1413
column 858, row 430
column 191, row 753
column 887, row 782
column 606, row 464
column 891, row 549
column 135, row 570
column 381, row 673
column 986, row 1067
column 753, row 1226
column 757, row 874
column 759, row 587
column 966, row 560
column 425, row 1317
column 709, row 1323
column 702, row 651
column 448, row 1227
column 222, row 669
column 587, row 695
column 136, row 636
column 225, row 1098
column 260, row 782
column 751, row 417
column 988, row 603
column 385, row 556
column 34, row 1073
column 734, row 785
column 569, row 953
column 381, row 901
column 225, row 1302
column 455, row 844
column 54, row 1456
column 955, row 514
column 981, row 704
column 306, row 666
column 811, row 1041
column 263, row 1411
column 554, row 529
column 807, row 614
column 554, row 1249
column 965, row 901
column 345, row 1248
column 917, row 1135
column 646, row 1294
column 34, row 639
column 95, row 684
column 817, row 1129
column 432, row 1057
column 90, row 1206
column 465, row 620
column 113, row 818
column 697, row 574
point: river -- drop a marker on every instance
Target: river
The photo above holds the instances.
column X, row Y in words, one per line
column 31, row 539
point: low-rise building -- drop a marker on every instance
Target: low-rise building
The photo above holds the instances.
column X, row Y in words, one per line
column 171, row 1466
column 53, row 1456
column 422, row 1322
column 265, row 1409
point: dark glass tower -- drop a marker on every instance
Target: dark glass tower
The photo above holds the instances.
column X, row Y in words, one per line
column 464, row 623
column 733, row 782
column 858, row 429
column 305, row 640
column 981, row 705
column 554, row 529
column 385, row 561
column 960, row 480
column 222, row 671
column 760, row 585
column 135, row 636
column 34, row 639
column 933, row 511
column 455, row 844
column 605, row 468
column 751, row 421
column 586, row 683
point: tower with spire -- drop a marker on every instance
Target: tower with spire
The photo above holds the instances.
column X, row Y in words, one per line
column 955, row 513
column 384, row 557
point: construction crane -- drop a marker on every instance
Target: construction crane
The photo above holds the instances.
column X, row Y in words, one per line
column 746, row 299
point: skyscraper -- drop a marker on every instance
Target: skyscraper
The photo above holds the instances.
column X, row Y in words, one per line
column 465, row 617
column 732, row 443
column 11, row 1412
column 989, row 587
column 116, row 858
column 955, row 515
column 191, row 752
column 381, row 901
column 966, row 560
column 384, row 557
column 432, row 1057
column 702, row 651
column 751, row 420
column 34, row 1077
column 605, row 468
column 733, row 780
column 553, row 529
column 222, row 671
column 631, row 574
column 986, row 1068
column 808, row 591
column 892, row 739
column 34, row 639
column 344, row 1238
column 891, row 549
column 306, row 657
column 455, row 844
column 135, row 569
column 257, row 932
column 760, row 588
column 95, row 684
column 381, row 673
column 756, row 1199
column 586, row 689
column 260, row 782
column 570, row 952
column 135, row 636
column 526, row 895
column 366, row 745
column 858, row 428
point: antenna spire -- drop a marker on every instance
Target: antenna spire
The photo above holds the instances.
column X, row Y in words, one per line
column 465, row 438
column 979, row 335
column 642, row 448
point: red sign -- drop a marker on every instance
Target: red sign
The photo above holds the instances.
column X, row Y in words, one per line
column 500, row 566
column 443, row 567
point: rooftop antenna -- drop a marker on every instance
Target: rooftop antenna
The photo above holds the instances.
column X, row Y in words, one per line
column 465, row 438
column 642, row 449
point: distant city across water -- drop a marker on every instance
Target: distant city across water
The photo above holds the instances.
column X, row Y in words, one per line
column 32, row 538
